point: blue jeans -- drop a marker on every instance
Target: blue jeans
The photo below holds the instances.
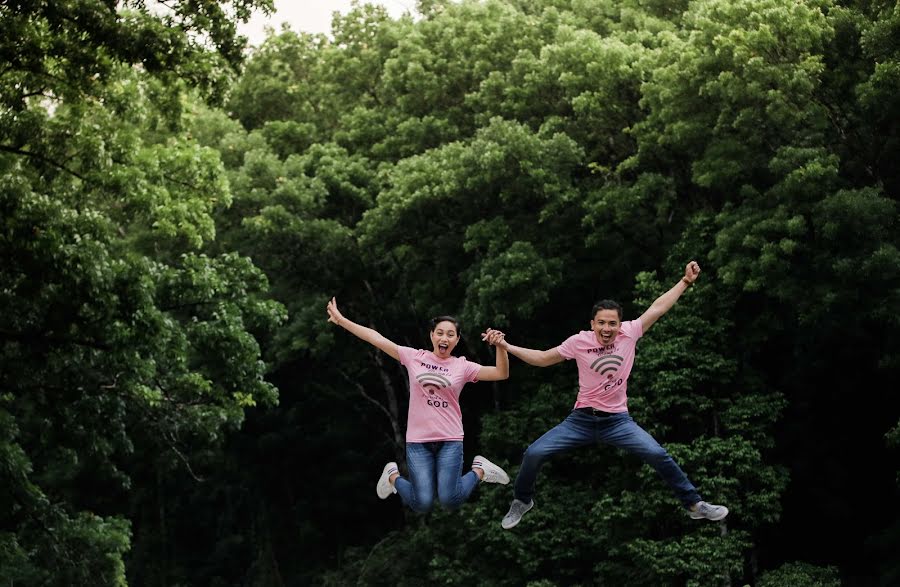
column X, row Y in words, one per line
column 435, row 465
column 619, row 430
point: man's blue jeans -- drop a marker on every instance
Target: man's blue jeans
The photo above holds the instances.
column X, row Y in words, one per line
column 619, row 430
column 435, row 465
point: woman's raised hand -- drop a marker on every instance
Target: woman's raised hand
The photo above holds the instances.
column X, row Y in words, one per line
column 493, row 337
column 334, row 315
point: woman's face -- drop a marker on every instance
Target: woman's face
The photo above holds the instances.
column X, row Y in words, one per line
column 444, row 338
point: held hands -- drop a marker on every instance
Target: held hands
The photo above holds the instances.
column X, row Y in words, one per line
column 494, row 338
column 691, row 273
column 334, row 315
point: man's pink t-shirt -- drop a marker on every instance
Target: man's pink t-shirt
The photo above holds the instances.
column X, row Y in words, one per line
column 434, row 388
column 603, row 371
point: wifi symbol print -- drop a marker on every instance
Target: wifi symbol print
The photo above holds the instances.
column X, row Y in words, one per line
column 606, row 364
column 432, row 382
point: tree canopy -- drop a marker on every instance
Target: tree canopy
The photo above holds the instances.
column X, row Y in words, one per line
column 176, row 212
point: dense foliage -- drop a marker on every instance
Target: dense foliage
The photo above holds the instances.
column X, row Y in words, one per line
column 175, row 409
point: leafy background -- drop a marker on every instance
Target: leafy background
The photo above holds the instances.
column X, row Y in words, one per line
column 176, row 211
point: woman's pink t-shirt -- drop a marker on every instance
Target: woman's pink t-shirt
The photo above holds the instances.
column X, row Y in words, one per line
column 434, row 388
column 603, row 371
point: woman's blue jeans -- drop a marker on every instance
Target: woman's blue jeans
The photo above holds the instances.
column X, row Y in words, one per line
column 435, row 465
column 619, row 430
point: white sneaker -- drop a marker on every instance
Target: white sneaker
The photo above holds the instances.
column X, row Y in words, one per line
column 708, row 511
column 517, row 509
column 384, row 489
column 492, row 473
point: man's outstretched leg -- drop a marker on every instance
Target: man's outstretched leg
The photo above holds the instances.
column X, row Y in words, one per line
column 572, row 432
column 624, row 432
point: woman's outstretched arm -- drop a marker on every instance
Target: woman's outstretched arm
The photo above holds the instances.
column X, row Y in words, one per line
column 501, row 370
column 369, row 335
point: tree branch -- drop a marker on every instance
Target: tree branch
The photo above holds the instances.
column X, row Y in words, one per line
column 171, row 442
column 180, row 182
column 43, row 159
column 33, row 338
column 362, row 392
column 189, row 305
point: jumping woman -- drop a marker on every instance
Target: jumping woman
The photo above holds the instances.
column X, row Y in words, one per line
column 434, row 431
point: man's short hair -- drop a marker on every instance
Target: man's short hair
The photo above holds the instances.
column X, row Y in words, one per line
column 606, row 305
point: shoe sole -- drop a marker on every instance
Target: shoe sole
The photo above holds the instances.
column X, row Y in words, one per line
column 722, row 517
column 502, row 480
column 502, row 477
column 516, row 523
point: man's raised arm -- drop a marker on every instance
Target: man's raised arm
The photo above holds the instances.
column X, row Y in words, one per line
column 665, row 302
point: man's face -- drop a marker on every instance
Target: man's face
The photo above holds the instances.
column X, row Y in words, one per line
column 606, row 326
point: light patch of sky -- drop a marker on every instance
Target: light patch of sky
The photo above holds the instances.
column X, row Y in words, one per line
column 311, row 16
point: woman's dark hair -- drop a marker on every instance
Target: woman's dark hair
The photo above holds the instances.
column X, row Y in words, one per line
column 438, row 319
column 606, row 305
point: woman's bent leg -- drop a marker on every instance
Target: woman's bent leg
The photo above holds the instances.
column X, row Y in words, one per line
column 418, row 491
column 453, row 488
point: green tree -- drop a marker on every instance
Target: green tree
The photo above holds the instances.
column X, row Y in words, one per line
column 799, row 573
column 513, row 162
column 119, row 336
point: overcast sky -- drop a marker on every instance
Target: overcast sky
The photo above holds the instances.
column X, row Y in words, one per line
column 311, row 16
